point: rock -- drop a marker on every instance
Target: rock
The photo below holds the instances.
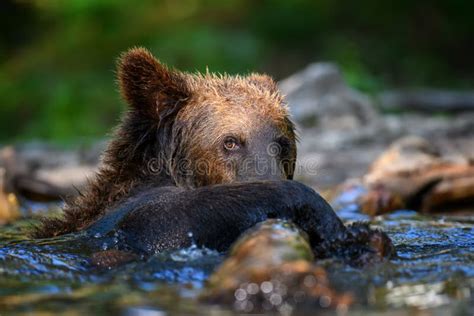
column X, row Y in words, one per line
column 430, row 127
column 324, row 168
column 318, row 96
column 427, row 100
column 341, row 133
column 43, row 173
column 406, row 155
column 339, row 129
column 9, row 208
column 270, row 268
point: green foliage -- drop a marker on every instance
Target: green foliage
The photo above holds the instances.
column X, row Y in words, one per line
column 57, row 57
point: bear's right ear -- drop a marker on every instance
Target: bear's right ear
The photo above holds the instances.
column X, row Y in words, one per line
column 148, row 86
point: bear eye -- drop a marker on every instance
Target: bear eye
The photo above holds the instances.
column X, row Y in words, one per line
column 231, row 143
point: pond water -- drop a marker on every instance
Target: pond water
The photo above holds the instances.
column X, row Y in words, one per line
column 433, row 275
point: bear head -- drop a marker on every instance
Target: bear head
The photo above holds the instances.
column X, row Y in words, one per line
column 200, row 129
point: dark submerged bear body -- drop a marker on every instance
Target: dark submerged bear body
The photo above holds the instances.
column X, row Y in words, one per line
column 164, row 218
column 184, row 167
column 214, row 216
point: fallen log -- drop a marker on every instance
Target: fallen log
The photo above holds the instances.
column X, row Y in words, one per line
column 271, row 268
column 412, row 175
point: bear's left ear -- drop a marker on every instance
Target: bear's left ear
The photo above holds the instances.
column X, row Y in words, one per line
column 148, row 86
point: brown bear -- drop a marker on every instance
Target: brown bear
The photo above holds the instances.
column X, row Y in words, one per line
column 200, row 158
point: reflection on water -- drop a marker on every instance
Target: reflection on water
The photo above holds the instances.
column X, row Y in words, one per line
column 434, row 273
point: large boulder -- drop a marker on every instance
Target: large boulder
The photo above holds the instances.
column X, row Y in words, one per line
column 319, row 96
column 336, row 124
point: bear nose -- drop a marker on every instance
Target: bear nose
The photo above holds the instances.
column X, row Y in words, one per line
column 261, row 167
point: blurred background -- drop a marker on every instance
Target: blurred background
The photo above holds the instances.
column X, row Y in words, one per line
column 57, row 58
column 381, row 93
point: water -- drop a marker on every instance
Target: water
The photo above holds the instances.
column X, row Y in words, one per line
column 433, row 275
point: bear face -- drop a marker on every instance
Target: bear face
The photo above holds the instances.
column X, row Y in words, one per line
column 209, row 129
column 240, row 132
